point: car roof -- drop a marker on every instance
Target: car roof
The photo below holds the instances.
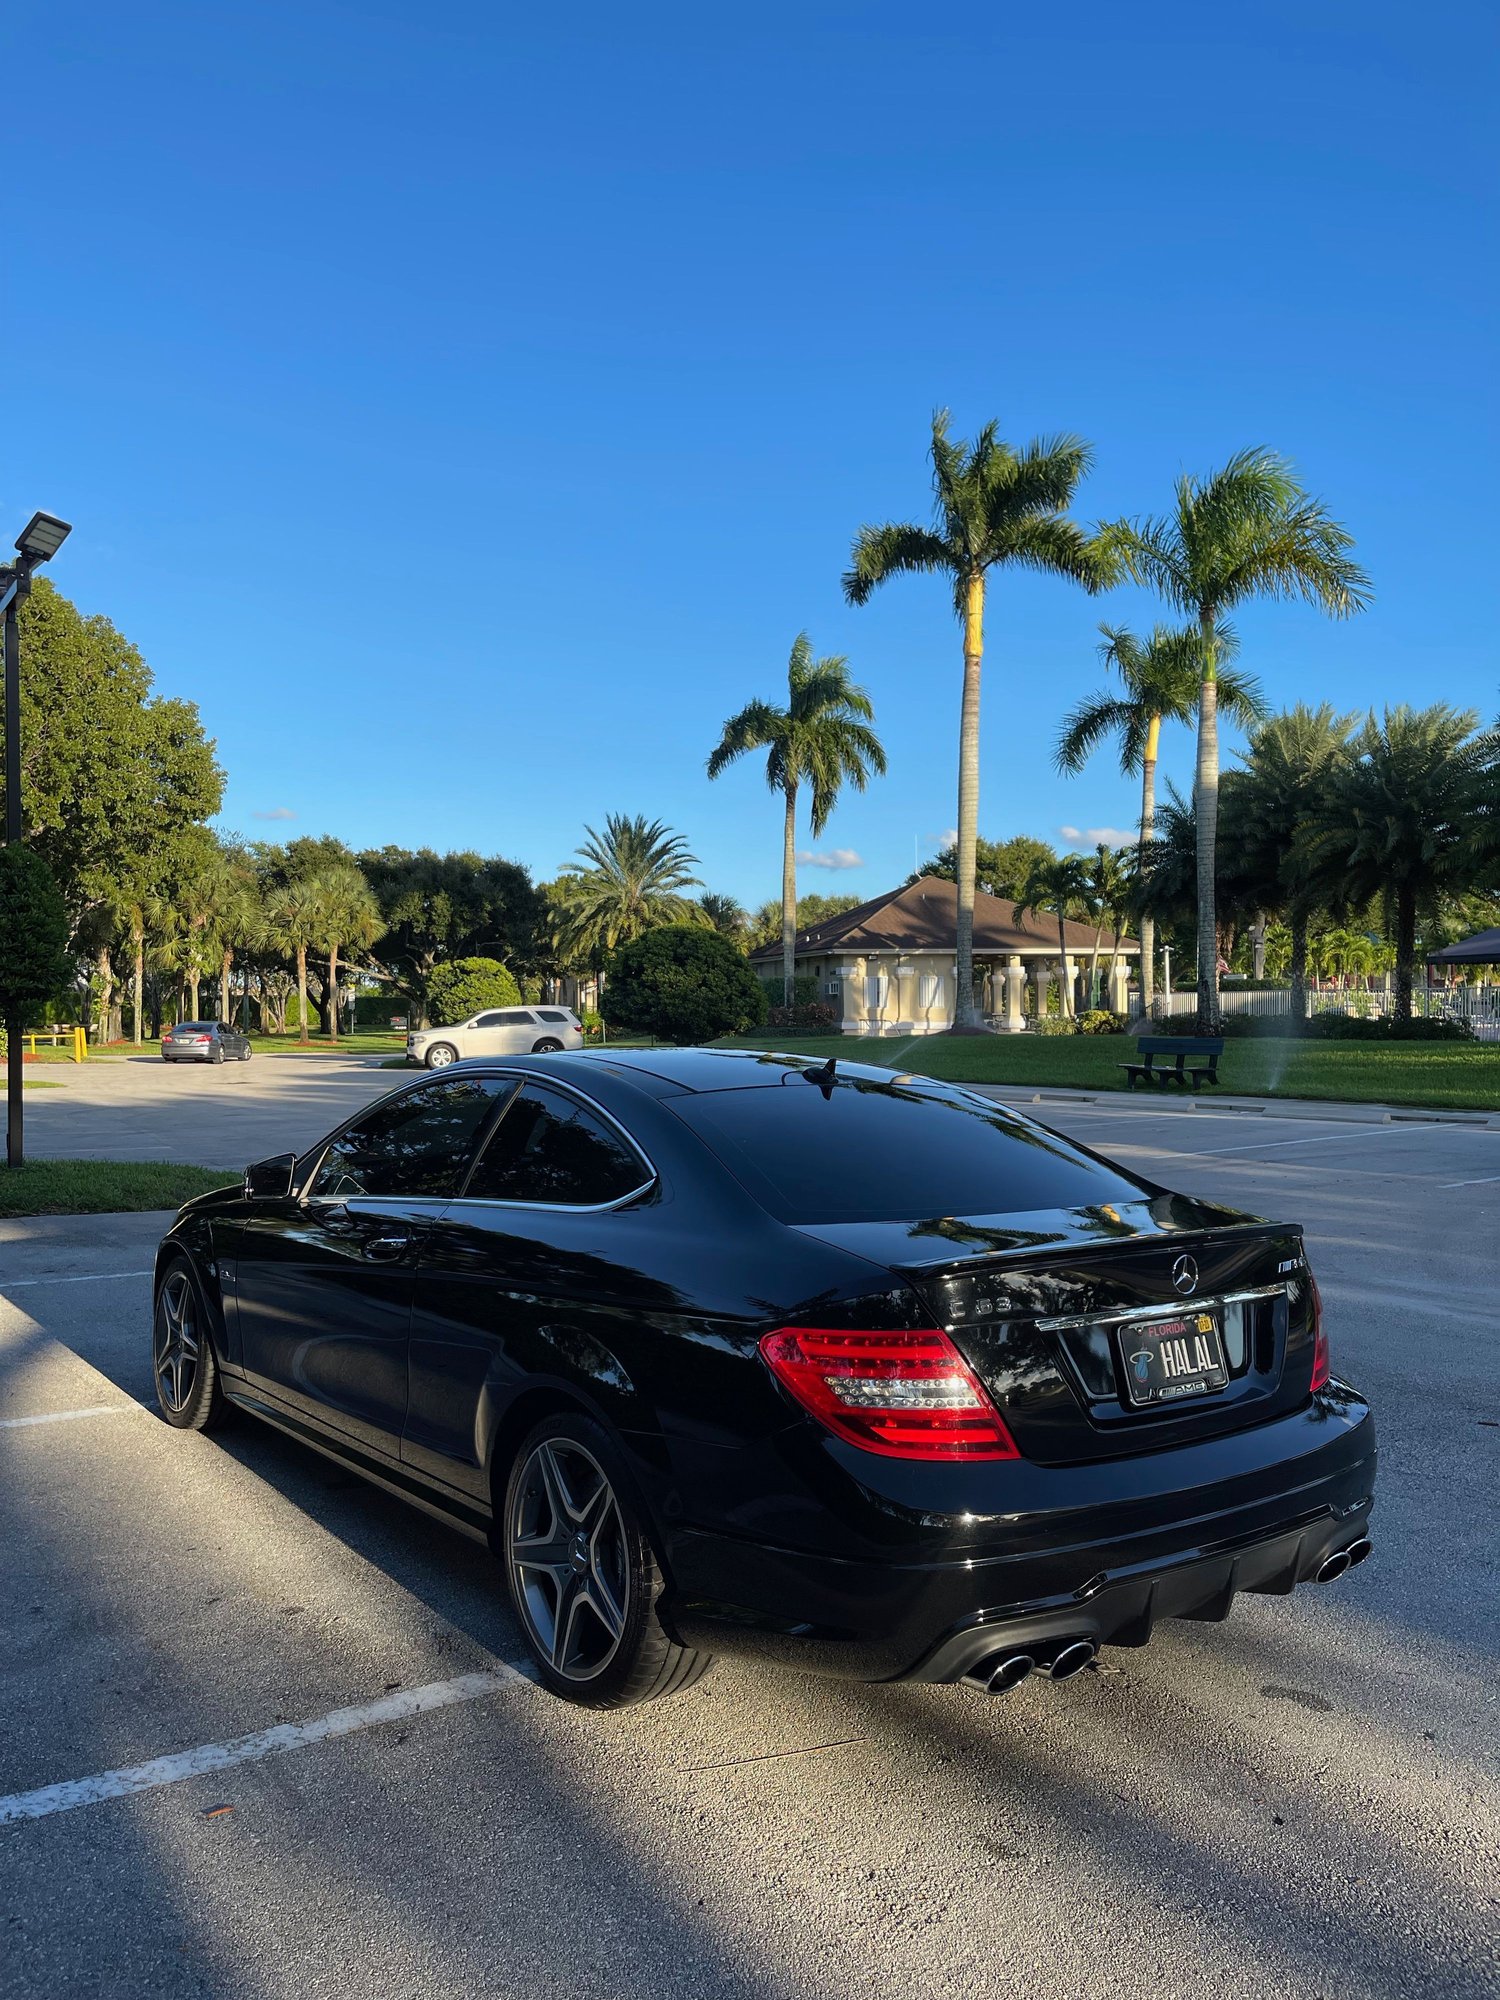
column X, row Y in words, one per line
column 711, row 1069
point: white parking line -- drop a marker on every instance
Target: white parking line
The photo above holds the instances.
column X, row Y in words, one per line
column 275, row 1742
column 81, row 1278
column 1483, row 1181
column 67, row 1416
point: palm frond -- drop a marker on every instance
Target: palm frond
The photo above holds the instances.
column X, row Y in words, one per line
column 894, row 549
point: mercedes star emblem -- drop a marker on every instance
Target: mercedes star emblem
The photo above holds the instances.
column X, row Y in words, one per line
column 1185, row 1276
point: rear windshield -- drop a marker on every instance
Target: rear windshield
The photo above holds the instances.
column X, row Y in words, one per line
column 879, row 1152
column 553, row 1014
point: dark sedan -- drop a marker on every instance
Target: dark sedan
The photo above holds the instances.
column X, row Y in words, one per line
column 723, row 1352
column 204, row 1041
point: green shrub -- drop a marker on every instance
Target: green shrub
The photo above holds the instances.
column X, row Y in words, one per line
column 33, row 933
column 1055, row 1025
column 682, row 983
column 466, row 986
column 1099, row 1021
column 808, row 1017
column 806, row 990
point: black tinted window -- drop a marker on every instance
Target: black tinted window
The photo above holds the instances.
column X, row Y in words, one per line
column 878, row 1152
column 548, row 1148
column 419, row 1145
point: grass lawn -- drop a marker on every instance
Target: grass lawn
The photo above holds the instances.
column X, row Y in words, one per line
column 100, row 1187
column 1445, row 1075
column 363, row 1042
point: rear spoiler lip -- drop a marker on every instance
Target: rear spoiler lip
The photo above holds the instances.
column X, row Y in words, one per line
column 1069, row 1252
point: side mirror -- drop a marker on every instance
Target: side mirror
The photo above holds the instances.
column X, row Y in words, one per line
column 271, row 1180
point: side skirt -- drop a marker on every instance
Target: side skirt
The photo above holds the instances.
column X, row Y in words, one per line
column 468, row 1519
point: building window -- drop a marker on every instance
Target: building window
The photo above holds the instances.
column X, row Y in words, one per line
column 877, row 992
column 928, row 988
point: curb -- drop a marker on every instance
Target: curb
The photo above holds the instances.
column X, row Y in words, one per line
column 1334, row 1111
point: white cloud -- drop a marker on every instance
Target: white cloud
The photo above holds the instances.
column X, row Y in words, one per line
column 1095, row 836
column 275, row 812
column 947, row 838
column 834, row 857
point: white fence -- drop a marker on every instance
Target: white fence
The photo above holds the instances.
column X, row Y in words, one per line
column 1479, row 1005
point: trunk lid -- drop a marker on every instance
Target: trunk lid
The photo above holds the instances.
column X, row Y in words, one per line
column 1037, row 1303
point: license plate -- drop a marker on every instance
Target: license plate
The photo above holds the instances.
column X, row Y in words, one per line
column 1165, row 1360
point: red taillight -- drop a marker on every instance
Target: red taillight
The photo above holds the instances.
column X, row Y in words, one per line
column 906, row 1395
column 1320, row 1338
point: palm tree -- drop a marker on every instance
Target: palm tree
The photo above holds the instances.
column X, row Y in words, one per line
column 1062, row 887
column 994, row 506
column 727, row 915
column 1246, row 531
column 1395, row 821
column 351, row 917
column 823, row 739
column 1287, row 766
column 296, row 923
column 626, row 880
column 1159, row 678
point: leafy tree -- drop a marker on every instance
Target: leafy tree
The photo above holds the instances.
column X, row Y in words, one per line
column 822, row 738
column 445, row 906
column 1288, row 765
column 765, row 925
column 996, row 507
column 1060, row 886
column 1246, row 531
column 726, row 915
column 33, row 963
column 295, row 925
column 682, row 983
column 467, row 986
column 1159, row 678
column 627, row 880
column 1000, row 866
column 109, row 772
column 1395, row 822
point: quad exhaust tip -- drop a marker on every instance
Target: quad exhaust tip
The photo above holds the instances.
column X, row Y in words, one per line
column 1069, row 1659
column 1001, row 1672
column 1332, row 1567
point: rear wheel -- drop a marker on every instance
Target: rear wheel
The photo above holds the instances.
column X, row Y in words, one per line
column 218, row 1054
column 545, row 1047
column 182, row 1354
column 582, row 1575
column 440, row 1055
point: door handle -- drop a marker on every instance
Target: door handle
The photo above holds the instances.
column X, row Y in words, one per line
column 386, row 1249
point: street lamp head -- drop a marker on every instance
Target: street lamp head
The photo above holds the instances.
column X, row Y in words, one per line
column 42, row 537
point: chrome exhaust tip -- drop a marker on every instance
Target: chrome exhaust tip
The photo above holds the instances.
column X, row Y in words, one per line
column 1332, row 1567
column 1069, row 1660
column 1357, row 1551
column 1000, row 1673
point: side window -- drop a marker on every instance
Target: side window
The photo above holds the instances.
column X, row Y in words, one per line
column 548, row 1148
column 491, row 1020
column 419, row 1146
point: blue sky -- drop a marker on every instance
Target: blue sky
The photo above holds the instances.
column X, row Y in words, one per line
column 467, row 407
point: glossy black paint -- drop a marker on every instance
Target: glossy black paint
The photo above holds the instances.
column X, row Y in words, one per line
column 420, row 1338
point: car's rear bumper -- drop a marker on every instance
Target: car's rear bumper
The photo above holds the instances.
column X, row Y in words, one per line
column 1108, row 1572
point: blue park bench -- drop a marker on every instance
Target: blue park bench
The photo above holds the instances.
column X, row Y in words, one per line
column 1197, row 1061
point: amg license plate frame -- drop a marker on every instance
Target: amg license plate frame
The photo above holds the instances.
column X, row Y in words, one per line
column 1176, row 1360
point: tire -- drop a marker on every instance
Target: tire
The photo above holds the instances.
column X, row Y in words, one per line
column 547, row 1046
column 247, row 1054
column 218, row 1054
column 572, row 1540
column 440, row 1055
column 183, row 1364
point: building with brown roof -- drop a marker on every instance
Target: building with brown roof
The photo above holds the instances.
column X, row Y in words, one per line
column 889, row 966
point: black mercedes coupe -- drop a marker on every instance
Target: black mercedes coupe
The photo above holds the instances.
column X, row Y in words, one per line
column 724, row 1352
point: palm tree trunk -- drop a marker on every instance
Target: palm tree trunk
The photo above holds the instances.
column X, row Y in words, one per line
column 1206, row 812
column 1406, row 949
column 1094, row 962
column 106, row 990
column 789, row 897
column 192, row 993
column 302, row 994
column 964, row 1015
column 1298, row 926
column 1064, row 983
column 333, row 991
column 1148, row 834
column 138, row 985
column 226, row 963
column 1258, row 945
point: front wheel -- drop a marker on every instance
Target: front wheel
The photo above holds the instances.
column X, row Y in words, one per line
column 182, row 1355
column 582, row 1575
column 440, row 1055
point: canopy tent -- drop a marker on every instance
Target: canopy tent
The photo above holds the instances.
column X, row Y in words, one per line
column 1481, row 949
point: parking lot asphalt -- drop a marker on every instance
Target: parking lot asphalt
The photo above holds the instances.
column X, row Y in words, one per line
column 1302, row 1801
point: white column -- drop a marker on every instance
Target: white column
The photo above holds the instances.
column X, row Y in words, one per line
column 1041, row 973
column 1015, row 984
column 1119, row 987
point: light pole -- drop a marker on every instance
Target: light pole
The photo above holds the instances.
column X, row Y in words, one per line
column 37, row 543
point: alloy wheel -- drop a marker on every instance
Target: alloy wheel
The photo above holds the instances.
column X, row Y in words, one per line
column 440, row 1056
column 568, row 1555
column 176, row 1343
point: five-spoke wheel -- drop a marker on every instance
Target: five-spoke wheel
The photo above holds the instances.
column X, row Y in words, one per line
column 182, row 1354
column 583, row 1576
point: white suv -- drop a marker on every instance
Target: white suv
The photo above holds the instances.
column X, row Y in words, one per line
column 500, row 1031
